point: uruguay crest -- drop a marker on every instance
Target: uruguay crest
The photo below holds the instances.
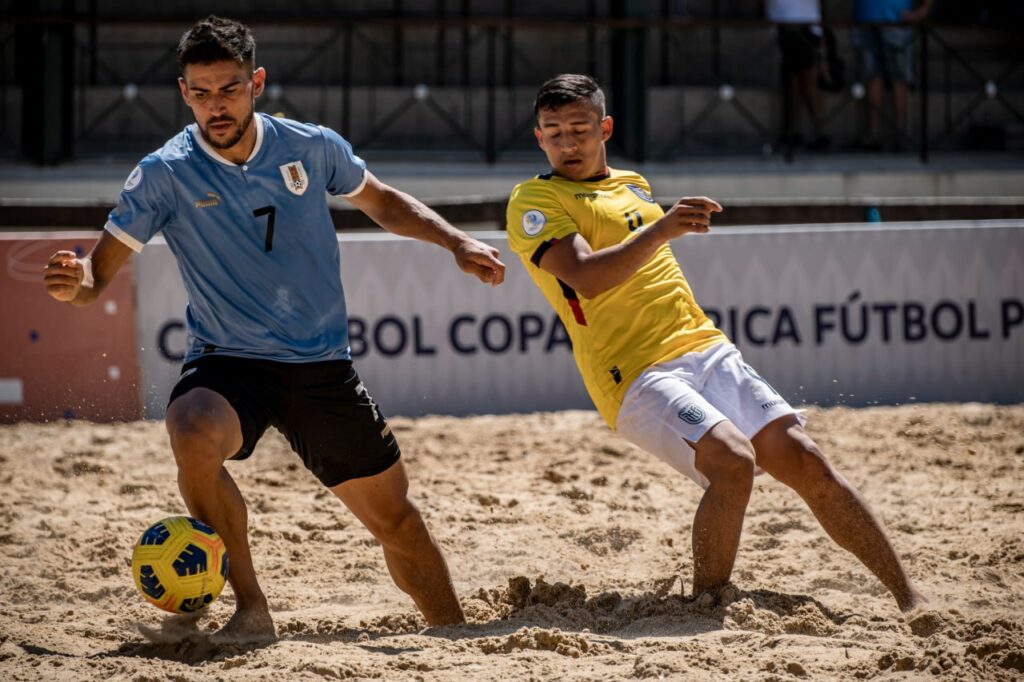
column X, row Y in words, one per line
column 295, row 178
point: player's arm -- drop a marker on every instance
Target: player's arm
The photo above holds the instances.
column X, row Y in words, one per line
column 591, row 273
column 65, row 273
column 407, row 216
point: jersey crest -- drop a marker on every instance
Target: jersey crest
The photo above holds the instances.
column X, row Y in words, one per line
column 641, row 192
column 295, row 178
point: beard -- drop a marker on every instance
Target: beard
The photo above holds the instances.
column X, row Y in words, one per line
column 233, row 139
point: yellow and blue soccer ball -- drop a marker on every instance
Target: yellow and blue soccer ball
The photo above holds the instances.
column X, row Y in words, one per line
column 180, row 564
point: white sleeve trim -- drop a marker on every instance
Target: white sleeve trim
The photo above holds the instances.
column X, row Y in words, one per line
column 357, row 190
column 128, row 240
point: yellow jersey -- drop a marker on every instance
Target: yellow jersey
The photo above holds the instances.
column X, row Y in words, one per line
column 652, row 317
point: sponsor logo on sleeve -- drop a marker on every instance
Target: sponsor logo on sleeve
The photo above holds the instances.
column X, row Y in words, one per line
column 641, row 192
column 533, row 222
column 134, row 178
column 295, row 178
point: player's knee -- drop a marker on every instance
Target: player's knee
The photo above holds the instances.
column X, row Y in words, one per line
column 727, row 462
column 198, row 429
column 814, row 470
column 399, row 527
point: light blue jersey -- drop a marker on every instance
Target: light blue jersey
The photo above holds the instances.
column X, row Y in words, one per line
column 254, row 242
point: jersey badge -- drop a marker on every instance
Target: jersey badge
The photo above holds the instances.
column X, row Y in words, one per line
column 692, row 414
column 295, row 178
column 134, row 178
column 211, row 201
column 641, row 192
column 533, row 222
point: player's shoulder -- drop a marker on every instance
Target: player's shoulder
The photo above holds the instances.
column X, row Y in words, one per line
column 543, row 187
column 631, row 180
column 157, row 167
column 178, row 149
column 627, row 176
column 303, row 139
column 293, row 132
column 286, row 127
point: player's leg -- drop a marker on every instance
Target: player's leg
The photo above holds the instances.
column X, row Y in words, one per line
column 382, row 504
column 786, row 452
column 343, row 438
column 665, row 413
column 205, row 430
column 726, row 458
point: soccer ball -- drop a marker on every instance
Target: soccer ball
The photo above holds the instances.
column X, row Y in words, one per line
column 180, row 564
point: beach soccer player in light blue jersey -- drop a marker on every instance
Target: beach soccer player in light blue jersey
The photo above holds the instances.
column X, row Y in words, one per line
column 284, row 261
column 241, row 200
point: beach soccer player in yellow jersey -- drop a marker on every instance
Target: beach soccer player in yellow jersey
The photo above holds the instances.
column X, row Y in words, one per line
column 658, row 370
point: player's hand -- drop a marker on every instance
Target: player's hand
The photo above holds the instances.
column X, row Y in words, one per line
column 481, row 260
column 689, row 214
column 63, row 276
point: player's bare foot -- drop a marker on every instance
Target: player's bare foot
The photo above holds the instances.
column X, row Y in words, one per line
column 924, row 620
column 246, row 626
column 913, row 601
column 172, row 629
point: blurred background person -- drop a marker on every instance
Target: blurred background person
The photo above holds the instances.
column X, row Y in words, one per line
column 885, row 56
column 800, row 41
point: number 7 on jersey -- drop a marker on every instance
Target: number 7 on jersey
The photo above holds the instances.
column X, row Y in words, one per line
column 268, row 211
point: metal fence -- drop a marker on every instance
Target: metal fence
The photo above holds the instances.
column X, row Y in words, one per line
column 458, row 85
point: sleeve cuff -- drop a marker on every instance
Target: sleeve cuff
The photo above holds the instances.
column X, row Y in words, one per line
column 125, row 238
column 359, row 188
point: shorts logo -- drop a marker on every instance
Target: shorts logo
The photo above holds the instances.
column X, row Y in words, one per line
column 533, row 222
column 691, row 414
column 641, row 192
column 186, row 373
column 295, row 178
column 134, row 178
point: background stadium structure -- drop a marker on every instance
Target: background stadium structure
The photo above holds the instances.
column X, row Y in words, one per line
column 414, row 79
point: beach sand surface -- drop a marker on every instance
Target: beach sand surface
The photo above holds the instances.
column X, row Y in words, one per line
column 569, row 548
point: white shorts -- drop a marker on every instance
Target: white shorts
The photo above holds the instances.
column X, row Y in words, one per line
column 680, row 400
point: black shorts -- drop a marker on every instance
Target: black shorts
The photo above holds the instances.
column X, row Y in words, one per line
column 801, row 48
column 322, row 408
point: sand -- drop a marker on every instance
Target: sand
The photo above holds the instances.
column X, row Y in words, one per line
column 568, row 546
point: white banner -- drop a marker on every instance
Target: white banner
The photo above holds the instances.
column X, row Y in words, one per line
column 829, row 314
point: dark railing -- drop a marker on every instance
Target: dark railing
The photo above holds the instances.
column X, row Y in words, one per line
column 462, row 85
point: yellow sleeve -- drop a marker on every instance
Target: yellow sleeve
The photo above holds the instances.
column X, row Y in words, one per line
column 535, row 216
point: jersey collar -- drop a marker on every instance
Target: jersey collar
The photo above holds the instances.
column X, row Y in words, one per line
column 603, row 175
column 257, row 120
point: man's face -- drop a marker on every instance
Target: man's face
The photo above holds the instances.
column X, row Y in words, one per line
column 222, row 97
column 572, row 137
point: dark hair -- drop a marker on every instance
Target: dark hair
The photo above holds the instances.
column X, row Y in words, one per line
column 567, row 88
column 216, row 39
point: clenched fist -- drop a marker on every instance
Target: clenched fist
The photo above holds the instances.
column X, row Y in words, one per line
column 63, row 276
